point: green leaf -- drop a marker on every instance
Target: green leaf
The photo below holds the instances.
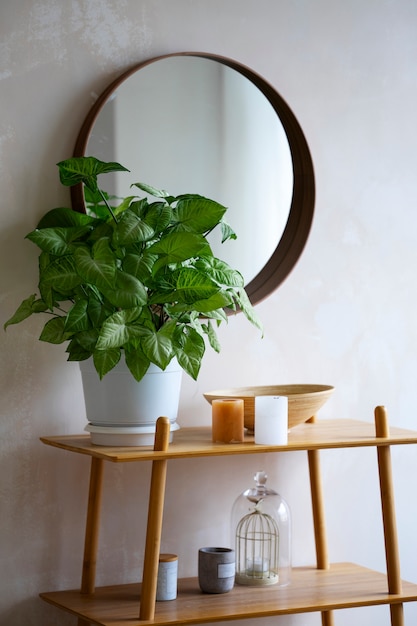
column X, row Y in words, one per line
column 47, row 293
column 127, row 203
column 24, row 310
column 54, row 331
column 152, row 191
column 158, row 215
column 85, row 170
column 134, row 204
column 137, row 363
column 115, row 331
column 158, row 347
column 76, row 352
column 102, row 230
column 51, row 297
column 220, row 272
column 57, row 241
column 131, row 229
column 105, row 360
column 247, row 308
column 63, row 217
column 197, row 214
column 189, row 349
column 139, row 265
column 95, row 309
column 128, row 292
column 227, row 231
column 44, row 261
column 187, row 285
column 144, row 323
column 61, row 276
column 77, row 318
column 177, row 247
column 39, row 306
column 87, row 339
column 216, row 314
column 97, row 267
column 219, row 300
column 211, row 335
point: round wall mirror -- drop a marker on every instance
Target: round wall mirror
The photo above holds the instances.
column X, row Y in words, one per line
column 200, row 123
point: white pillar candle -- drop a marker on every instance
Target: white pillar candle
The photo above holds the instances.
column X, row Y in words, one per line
column 258, row 565
column 271, row 420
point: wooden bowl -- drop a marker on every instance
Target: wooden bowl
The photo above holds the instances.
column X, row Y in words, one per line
column 303, row 400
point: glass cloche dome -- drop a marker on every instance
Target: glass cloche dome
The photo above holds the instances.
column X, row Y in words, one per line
column 261, row 530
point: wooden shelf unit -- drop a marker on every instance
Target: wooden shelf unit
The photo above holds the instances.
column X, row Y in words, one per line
column 323, row 588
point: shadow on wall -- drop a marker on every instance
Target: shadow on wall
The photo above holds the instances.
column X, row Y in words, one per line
column 35, row 612
column 25, row 265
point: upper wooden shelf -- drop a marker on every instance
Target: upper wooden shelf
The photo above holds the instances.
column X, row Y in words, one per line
column 196, row 442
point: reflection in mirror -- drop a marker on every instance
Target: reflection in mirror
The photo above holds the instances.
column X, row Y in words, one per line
column 191, row 125
column 196, row 123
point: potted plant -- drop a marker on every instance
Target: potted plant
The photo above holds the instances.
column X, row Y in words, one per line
column 135, row 277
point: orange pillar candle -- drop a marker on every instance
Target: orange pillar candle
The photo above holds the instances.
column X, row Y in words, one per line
column 227, row 420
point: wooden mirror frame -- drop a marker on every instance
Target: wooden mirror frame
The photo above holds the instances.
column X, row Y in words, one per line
column 294, row 237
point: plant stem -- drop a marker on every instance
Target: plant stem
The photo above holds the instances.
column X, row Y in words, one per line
column 107, row 205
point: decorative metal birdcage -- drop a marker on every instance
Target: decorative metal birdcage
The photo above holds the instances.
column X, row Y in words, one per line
column 257, row 549
column 262, row 536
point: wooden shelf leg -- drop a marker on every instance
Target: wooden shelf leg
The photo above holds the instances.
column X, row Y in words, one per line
column 317, row 503
column 154, row 526
column 318, row 509
column 320, row 536
column 327, row 618
column 388, row 515
column 92, row 528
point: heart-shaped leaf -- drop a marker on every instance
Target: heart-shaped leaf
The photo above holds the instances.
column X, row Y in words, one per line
column 152, row 191
column 186, row 285
column 105, row 360
column 85, row 170
column 61, row 275
column 131, row 229
column 63, row 217
column 248, row 309
column 158, row 347
column 211, row 335
column 220, row 271
column 139, row 265
column 97, row 266
column 197, row 214
column 127, row 292
column 189, row 349
column 115, row 331
column 77, row 318
column 137, row 363
column 25, row 310
column 219, row 300
column 76, row 352
column 54, row 331
column 57, row 241
column 177, row 247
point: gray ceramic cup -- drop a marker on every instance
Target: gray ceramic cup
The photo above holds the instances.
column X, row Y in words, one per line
column 216, row 569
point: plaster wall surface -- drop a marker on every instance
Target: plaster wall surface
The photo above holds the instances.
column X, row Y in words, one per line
column 345, row 316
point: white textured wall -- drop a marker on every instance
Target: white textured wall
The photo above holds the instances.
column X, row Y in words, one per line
column 345, row 316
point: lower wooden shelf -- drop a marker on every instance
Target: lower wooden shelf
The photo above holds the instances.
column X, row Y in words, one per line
column 344, row 585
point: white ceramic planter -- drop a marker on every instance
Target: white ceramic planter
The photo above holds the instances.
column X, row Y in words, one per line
column 119, row 405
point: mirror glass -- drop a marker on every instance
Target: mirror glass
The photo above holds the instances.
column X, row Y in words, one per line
column 191, row 123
